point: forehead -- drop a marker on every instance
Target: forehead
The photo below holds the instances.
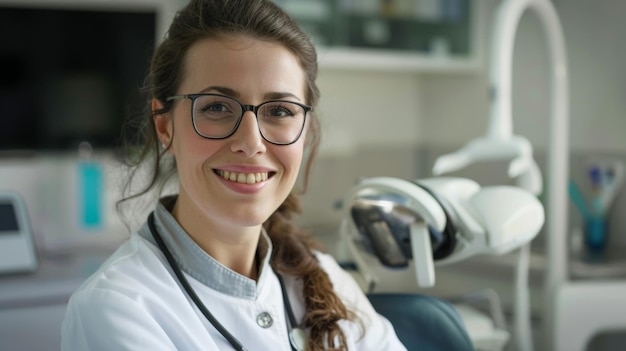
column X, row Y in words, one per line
column 244, row 64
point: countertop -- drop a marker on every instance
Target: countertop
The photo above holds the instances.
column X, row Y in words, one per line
column 54, row 280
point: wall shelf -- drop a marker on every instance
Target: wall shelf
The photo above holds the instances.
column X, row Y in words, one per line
column 394, row 61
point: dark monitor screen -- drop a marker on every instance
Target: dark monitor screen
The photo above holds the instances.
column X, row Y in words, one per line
column 8, row 220
column 68, row 76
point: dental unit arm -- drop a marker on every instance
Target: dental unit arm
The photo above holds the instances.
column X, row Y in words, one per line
column 499, row 143
column 436, row 221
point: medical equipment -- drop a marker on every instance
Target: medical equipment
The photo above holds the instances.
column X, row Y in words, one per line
column 523, row 167
column 297, row 337
column 17, row 251
column 499, row 143
column 436, row 220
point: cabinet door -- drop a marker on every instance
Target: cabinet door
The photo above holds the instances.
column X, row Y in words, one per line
column 410, row 34
column 32, row 328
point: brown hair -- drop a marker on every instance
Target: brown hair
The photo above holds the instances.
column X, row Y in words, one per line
column 292, row 254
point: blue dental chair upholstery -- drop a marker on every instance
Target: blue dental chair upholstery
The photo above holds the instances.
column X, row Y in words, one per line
column 423, row 323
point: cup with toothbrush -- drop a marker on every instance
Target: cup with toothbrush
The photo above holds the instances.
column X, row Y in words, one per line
column 606, row 178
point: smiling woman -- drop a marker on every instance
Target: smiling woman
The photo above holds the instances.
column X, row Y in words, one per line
column 232, row 114
column 232, row 66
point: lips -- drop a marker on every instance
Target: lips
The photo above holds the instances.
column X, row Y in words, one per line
column 243, row 177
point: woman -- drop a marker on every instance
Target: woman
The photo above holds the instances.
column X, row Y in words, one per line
column 220, row 265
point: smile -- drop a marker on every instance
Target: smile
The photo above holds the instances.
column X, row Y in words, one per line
column 244, row 178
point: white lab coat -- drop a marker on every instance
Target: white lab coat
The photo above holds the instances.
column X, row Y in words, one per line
column 135, row 302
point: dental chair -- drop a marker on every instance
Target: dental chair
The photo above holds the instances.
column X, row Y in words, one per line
column 423, row 322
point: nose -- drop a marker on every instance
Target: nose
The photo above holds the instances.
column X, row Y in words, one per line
column 247, row 138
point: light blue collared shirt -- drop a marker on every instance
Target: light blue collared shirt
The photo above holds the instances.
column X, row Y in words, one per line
column 197, row 263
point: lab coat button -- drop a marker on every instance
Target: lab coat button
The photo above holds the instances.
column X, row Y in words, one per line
column 264, row 320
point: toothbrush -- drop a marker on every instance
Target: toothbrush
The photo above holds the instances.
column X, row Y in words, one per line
column 595, row 176
column 578, row 200
column 597, row 187
column 613, row 176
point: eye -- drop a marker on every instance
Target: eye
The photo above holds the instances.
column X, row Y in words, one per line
column 283, row 109
column 216, row 108
column 213, row 107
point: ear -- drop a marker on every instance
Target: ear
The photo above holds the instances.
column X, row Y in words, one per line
column 162, row 123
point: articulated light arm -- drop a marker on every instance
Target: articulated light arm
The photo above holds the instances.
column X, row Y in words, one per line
column 500, row 131
column 500, row 124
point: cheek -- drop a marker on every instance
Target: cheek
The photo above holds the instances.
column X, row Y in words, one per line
column 189, row 148
column 291, row 157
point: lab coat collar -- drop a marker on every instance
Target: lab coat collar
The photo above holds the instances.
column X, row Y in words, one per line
column 201, row 266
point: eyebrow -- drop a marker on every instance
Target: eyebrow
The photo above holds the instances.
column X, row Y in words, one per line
column 233, row 93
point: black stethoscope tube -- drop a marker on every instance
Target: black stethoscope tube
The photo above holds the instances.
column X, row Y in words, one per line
column 194, row 297
column 292, row 318
column 168, row 255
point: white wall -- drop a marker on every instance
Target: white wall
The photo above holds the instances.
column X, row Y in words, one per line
column 598, row 51
column 369, row 109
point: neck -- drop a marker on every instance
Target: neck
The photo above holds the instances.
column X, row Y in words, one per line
column 235, row 248
column 240, row 259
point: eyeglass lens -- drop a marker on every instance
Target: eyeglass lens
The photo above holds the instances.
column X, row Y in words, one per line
column 216, row 116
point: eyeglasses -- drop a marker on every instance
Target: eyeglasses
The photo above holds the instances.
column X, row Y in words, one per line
column 217, row 116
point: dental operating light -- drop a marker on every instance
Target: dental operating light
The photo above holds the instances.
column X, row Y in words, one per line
column 437, row 221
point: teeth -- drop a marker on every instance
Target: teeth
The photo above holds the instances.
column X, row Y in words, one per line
column 245, row 178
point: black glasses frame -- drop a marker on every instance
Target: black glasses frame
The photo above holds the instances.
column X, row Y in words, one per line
column 244, row 109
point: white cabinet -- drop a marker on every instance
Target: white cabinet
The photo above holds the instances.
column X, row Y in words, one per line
column 393, row 35
column 32, row 328
column 32, row 306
